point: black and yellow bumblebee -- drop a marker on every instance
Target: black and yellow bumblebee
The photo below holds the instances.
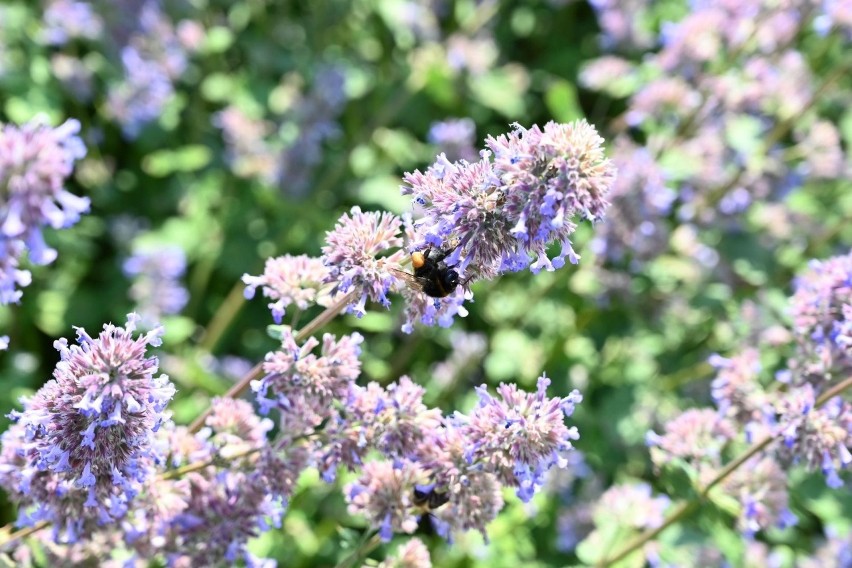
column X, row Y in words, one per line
column 426, row 497
column 431, row 275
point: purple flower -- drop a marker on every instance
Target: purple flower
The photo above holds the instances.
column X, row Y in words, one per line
column 520, row 435
column 156, row 289
column 384, row 494
column 35, row 160
column 153, row 59
column 760, row 486
column 500, row 215
column 821, row 323
column 303, row 385
column 393, row 421
column 736, row 390
column 412, row 554
column 290, row 280
column 247, row 150
column 697, row 435
column 820, row 438
column 454, row 138
column 87, row 435
column 65, row 20
column 350, row 253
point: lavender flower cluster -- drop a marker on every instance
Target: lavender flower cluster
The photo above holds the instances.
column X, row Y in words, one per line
column 816, row 437
column 95, row 454
column 35, row 161
column 733, row 113
column 254, row 146
column 492, row 216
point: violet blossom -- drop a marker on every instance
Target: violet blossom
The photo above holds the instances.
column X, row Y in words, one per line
column 85, row 439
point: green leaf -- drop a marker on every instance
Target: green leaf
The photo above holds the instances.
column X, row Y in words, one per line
column 502, row 90
column 186, row 159
column 562, row 102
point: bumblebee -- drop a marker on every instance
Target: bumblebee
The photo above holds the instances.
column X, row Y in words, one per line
column 431, row 274
column 425, row 496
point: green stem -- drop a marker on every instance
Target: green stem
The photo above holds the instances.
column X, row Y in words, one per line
column 686, row 508
column 223, row 317
column 369, row 541
column 19, row 534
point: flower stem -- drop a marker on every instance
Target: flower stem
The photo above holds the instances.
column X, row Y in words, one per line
column 223, row 317
column 369, row 541
column 257, row 371
column 19, row 534
column 686, row 508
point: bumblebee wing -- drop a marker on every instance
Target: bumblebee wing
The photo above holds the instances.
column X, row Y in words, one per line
column 411, row 280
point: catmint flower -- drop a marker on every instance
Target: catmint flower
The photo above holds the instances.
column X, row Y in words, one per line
column 217, row 510
column 818, row 437
column 303, row 384
column 412, row 554
column 520, row 435
column 156, row 289
column 821, row 321
column 152, row 60
column 393, row 421
column 696, row 435
column 12, row 277
column 35, row 161
column 384, row 494
column 454, row 138
column 233, row 428
column 632, row 505
column 290, row 280
column 736, row 390
column 468, row 350
column 314, row 115
column 497, row 214
column 248, row 152
column 351, row 253
column 88, row 433
column 636, row 228
column 760, row 485
column 65, row 20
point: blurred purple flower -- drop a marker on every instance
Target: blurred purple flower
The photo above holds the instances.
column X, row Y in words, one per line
column 35, row 161
column 156, row 289
column 696, row 435
column 412, row 554
column 65, row 20
column 85, row 439
column 454, row 138
column 153, row 59
column 760, row 486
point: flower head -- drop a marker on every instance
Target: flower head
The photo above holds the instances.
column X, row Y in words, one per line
column 384, row 493
column 520, row 435
column 88, row 433
column 351, row 255
column 289, row 280
column 35, row 161
column 303, row 384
